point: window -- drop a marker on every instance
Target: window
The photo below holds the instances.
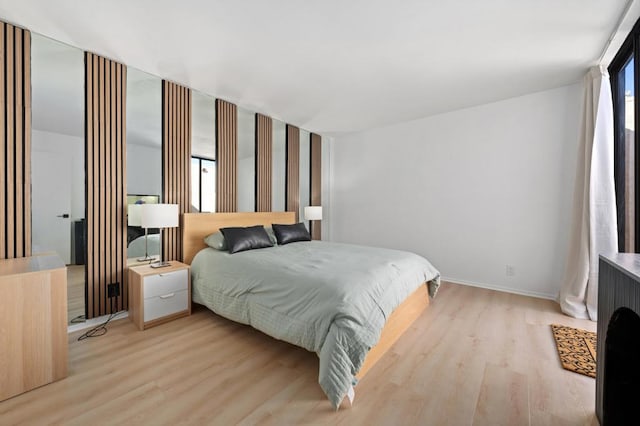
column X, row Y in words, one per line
column 624, row 72
column 203, row 184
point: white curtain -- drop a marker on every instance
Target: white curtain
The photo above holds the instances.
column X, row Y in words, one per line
column 595, row 228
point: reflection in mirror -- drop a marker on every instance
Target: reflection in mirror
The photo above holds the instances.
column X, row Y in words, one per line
column 144, row 159
column 305, row 173
column 279, row 166
column 57, row 161
column 203, row 152
column 246, row 161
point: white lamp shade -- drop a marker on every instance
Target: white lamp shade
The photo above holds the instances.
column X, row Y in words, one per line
column 313, row 213
column 159, row 215
column 134, row 215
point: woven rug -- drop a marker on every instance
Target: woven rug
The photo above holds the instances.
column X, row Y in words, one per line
column 577, row 349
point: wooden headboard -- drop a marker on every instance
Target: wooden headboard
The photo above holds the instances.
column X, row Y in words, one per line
column 196, row 226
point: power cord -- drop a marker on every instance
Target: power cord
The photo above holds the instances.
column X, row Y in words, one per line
column 79, row 319
column 100, row 329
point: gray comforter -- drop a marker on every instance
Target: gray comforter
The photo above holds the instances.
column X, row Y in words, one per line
column 330, row 298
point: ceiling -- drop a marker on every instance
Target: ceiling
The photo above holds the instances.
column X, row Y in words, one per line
column 336, row 66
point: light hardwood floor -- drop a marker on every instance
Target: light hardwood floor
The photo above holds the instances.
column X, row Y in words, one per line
column 475, row 357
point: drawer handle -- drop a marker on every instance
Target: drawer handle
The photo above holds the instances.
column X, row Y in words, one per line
column 167, row 296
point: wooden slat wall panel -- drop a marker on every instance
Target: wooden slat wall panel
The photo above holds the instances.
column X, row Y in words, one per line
column 226, row 156
column 316, row 182
column 15, row 142
column 176, row 160
column 293, row 170
column 105, row 140
column 264, row 167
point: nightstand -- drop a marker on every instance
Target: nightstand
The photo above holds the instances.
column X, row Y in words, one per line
column 158, row 295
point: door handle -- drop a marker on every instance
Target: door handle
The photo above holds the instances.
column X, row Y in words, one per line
column 65, row 216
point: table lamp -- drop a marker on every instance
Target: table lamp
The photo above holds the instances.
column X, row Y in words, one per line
column 159, row 216
column 313, row 213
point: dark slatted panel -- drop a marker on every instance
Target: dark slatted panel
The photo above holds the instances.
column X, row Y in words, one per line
column 15, row 142
column 105, row 140
column 226, row 156
column 316, row 182
column 617, row 288
column 292, row 201
column 264, row 154
column 176, row 160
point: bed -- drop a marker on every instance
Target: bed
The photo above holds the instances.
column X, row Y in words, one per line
column 310, row 294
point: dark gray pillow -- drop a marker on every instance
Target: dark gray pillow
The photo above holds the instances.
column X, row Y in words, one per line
column 242, row 239
column 286, row 234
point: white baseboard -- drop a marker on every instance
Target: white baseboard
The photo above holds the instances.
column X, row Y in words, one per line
column 537, row 294
column 95, row 321
column 125, row 314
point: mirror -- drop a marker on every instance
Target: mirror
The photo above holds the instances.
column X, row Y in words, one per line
column 144, row 161
column 279, row 166
column 57, row 161
column 246, row 161
column 203, row 152
column 305, row 173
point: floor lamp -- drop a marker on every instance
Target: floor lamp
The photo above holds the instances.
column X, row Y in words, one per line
column 159, row 216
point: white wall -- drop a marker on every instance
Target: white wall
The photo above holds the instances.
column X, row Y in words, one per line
column 472, row 190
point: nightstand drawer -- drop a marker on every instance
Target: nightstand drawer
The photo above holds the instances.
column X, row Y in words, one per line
column 165, row 304
column 165, row 283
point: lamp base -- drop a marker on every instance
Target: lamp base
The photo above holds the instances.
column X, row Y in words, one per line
column 160, row 264
column 146, row 258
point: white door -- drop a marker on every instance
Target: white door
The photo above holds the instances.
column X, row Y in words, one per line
column 51, row 203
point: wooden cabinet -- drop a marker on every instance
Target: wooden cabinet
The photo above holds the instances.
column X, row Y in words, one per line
column 158, row 295
column 33, row 323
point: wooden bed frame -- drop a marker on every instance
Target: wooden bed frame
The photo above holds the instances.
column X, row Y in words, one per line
column 196, row 226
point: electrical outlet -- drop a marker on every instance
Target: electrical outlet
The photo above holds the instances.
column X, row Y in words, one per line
column 510, row 271
column 113, row 290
